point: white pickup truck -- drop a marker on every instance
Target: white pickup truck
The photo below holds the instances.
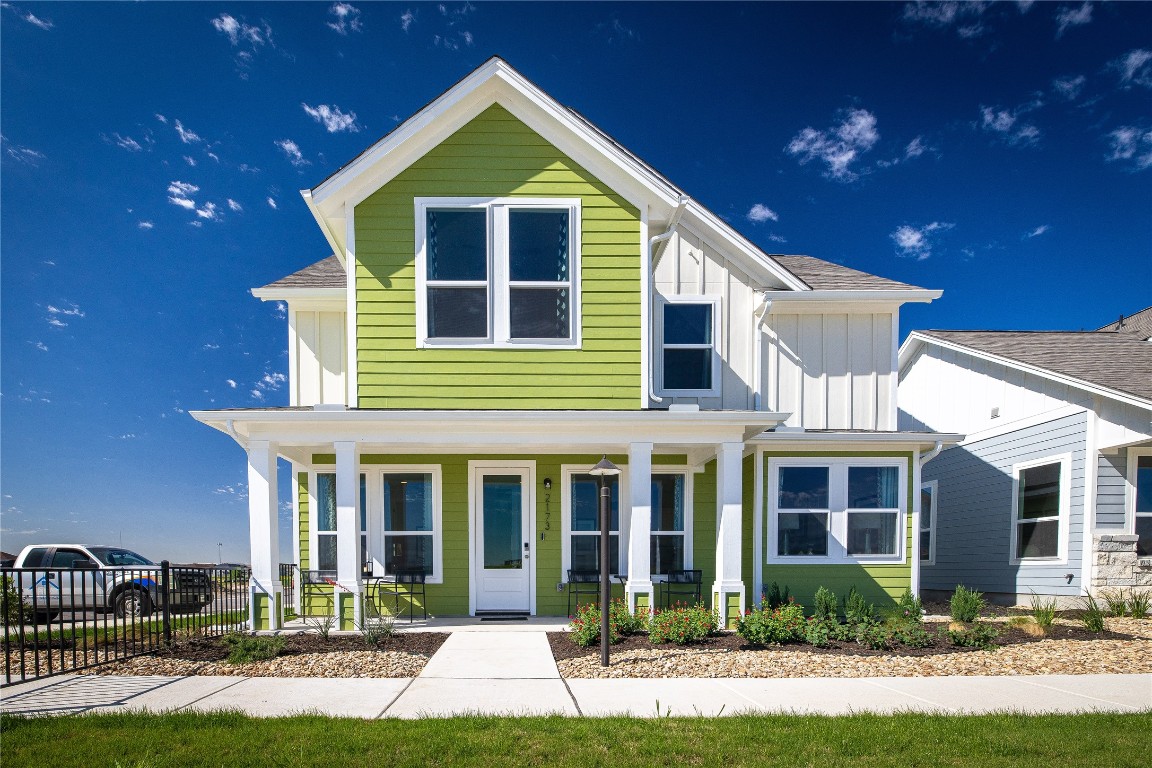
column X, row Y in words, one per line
column 77, row 577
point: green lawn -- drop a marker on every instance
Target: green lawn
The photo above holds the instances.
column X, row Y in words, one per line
column 861, row 741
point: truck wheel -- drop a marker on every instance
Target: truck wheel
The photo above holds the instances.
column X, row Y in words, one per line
column 44, row 617
column 132, row 604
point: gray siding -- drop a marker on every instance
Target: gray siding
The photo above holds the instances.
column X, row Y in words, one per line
column 1110, row 485
column 974, row 518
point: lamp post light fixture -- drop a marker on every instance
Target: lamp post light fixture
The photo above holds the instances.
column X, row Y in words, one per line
column 603, row 471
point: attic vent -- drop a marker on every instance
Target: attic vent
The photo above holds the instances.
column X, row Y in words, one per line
column 995, row 413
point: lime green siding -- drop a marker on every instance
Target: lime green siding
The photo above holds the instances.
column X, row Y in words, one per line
column 880, row 584
column 264, row 611
column 704, row 528
column 495, row 155
column 302, row 524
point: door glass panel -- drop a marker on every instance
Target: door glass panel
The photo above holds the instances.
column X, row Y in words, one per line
column 503, row 522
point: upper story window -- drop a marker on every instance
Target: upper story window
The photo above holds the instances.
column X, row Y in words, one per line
column 689, row 363
column 497, row 273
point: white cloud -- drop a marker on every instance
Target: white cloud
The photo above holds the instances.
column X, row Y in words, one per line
column 234, row 206
column 271, row 203
column 292, row 150
column 1131, row 145
column 161, row 118
column 145, row 225
column 839, row 146
column 39, row 345
column 231, row 383
column 332, row 118
column 210, row 347
column 257, row 394
column 1038, row 231
column 944, row 15
column 24, row 155
column 56, row 314
column 777, row 238
column 1073, row 17
column 190, row 160
column 126, row 142
column 1135, row 67
column 28, row 16
column 238, row 32
column 915, row 148
column 1024, row 5
column 182, row 188
column 916, row 242
column 186, row 136
column 406, row 19
column 213, row 156
column 760, row 213
column 209, row 211
column 347, row 18
column 1007, row 124
column 183, row 202
column 1069, row 87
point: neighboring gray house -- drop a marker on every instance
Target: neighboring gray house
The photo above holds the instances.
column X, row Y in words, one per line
column 1051, row 491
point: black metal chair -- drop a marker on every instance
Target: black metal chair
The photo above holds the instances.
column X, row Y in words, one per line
column 582, row 583
column 686, row 583
column 406, row 583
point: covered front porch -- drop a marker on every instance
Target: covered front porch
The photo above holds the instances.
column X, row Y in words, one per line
column 495, row 508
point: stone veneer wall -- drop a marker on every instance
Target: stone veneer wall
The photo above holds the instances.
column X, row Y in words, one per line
column 1116, row 563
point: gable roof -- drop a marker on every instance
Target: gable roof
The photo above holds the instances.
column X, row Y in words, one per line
column 1115, row 364
column 326, row 273
column 823, row 275
column 1138, row 325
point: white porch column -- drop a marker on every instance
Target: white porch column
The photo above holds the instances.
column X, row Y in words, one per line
column 729, row 510
column 348, row 572
column 640, row 527
column 265, row 610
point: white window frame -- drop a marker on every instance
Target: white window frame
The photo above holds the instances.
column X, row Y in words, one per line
column 374, row 487
column 1065, row 462
column 1134, row 455
column 687, row 474
column 314, row 532
column 497, row 282
column 928, row 521
column 838, row 510
column 658, row 340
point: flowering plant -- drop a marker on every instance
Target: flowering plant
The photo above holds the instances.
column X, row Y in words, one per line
column 683, row 624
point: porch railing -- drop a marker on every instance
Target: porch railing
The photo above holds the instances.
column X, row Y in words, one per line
column 68, row 620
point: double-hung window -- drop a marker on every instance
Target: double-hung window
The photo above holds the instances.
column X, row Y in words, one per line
column 408, row 522
column 669, row 526
column 688, row 361
column 497, row 273
column 1040, row 509
column 584, row 522
column 849, row 510
column 326, row 523
column 929, row 493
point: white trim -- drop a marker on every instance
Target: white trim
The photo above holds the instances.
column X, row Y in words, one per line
column 1130, row 488
column 293, row 359
column 298, row 576
column 1088, row 505
column 497, row 279
column 838, row 511
column 933, row 524
column 894, row 297
column 1065, row 462
column 351, row 360
column 1023, row 423
column 715, row 303
column 475, row 466
column 646, row 281
column 333, row 297
column 758, row 526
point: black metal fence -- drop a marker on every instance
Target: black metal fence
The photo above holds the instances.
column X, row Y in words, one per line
column 289, row 573
column 67, row 620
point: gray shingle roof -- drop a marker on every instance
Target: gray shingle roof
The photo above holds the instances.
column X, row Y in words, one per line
column 823, row 275
column 1139, row 324
column 1117, row 361
column 326, row 273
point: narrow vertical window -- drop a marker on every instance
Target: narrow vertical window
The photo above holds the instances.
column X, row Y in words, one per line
column 928, row 504
column 668, row 527
column 1038, row 507
column 1143, row 522
column 326, row 522
column 688, row 346
column 585, row 553
column 539, row 274
column 408, row 523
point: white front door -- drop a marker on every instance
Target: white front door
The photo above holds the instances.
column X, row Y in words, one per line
column 502, row 536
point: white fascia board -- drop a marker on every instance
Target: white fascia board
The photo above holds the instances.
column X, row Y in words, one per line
column 330, row 234
column 301, row 295
column 598, row 430
column 1036, row 370
column 758, row 262
column 889, row 297
column 824, row 441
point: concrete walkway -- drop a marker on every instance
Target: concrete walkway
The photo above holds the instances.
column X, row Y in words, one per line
column 509, row 670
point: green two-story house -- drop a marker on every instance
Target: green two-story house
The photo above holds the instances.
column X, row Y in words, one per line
column 512, row 295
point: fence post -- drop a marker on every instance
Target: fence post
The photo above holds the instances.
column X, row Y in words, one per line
column 165, row 576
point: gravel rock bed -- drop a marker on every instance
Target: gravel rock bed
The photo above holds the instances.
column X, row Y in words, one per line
column 304, row 655
column 1125, row 648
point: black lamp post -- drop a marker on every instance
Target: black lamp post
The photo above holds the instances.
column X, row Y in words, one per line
column 604, row 470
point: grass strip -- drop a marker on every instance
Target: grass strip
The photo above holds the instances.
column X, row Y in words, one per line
column 906, row 740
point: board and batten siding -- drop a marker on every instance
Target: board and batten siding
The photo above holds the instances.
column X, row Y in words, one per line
column 320, row 357
column 496, row 155
column 974, row 513
column 1111, row 487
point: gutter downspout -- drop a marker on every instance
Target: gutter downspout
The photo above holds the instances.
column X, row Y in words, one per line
column 927, row 457
column 917, row 482
column 653, row 256
column 757, row 354
column 229, row 426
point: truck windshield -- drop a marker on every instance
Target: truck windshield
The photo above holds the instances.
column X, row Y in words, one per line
column 114, row 556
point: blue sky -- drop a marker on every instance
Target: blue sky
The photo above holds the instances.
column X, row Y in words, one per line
column 152, row 156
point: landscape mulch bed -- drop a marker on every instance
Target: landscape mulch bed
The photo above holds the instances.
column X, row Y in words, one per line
column 214, row 649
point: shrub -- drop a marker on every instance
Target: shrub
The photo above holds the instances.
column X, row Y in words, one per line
column 857, row 610
column 248, row 648
column 1138, row 604
column 878, row 637
column 376, row 623
column 585, row 625
column 627, row 623
column 841, row 632
column 912, row 634
column 818, row 632
column 909, row 607
column 775, row 597
column 683, row 624
column 966, row 604
column 772, row 626
column 1043, row 611
column 1115, row 602
column 15, row 611
column 322, row 624
column 1092, row 614
column 826, row 608
column 979, row 635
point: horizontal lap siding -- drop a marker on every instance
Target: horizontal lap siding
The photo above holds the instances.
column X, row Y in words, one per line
column 495, row 155
column 302, row 523
column 974, row 517
column 1110, row 489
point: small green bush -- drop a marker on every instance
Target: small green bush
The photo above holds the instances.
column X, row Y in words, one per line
column 912, row 634
column 966, row 604
column 910, row 607
column 1092, row 614
column 1115, row 603
column 776, row 597
column 772, row 626
column 1138, row 604
column 1043, row 611
column 15, row 611
column 857, row 610
column 585, row 626
column 826, row 608
column 627, row 623
column 979, row 635
column 248, row 648
column 818, row 632
column 682, row 625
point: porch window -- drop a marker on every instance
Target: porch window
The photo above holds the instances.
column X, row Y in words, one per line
column 585, row 523
column 668, row 524
column 873, row 510
column 1039, row 505
column 802, row 516
column 928, row 502
column 1143, row 508
column 409, row 523
column 687, row 334
column 326, row 522
column 498, row 273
